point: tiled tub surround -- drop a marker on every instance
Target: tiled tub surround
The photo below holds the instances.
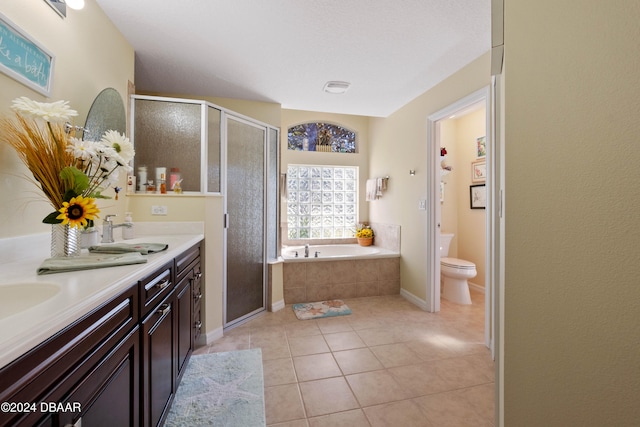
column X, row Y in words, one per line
column 321, row 280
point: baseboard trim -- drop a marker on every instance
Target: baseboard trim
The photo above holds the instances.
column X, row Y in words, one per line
column 414, row 299
column 212, row 336
column 475, row 287
column 277, row 306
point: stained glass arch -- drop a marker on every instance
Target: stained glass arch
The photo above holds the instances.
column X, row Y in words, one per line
column 319, row 136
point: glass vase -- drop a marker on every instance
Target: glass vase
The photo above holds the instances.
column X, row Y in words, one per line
column 65, row 241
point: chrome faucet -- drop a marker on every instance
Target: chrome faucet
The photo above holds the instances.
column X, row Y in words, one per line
column 107, row 229
column 306, row 250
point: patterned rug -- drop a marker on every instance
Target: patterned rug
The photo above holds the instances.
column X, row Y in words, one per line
column 316, row 310
column 220, row 389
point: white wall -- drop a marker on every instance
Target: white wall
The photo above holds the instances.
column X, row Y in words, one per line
column 572, row 299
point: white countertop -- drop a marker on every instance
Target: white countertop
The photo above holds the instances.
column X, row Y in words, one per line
column 79, row 291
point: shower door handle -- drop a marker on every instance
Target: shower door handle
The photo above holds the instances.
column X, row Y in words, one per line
column 226, row 221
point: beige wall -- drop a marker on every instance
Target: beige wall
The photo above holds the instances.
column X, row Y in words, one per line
column 90, row 55
column 399, row 143
column 572, row 299
column 459, row 135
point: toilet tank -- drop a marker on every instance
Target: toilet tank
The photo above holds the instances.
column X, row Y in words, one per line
column 445, row 241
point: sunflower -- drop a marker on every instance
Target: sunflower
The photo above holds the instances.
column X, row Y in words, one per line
column 78, row 211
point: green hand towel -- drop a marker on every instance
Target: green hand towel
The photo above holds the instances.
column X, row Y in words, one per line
column 121, row 248
column 87, row 262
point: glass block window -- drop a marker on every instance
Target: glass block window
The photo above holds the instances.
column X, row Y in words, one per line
column 322, row 201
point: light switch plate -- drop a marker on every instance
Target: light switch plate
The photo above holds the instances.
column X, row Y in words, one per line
column 422, row 205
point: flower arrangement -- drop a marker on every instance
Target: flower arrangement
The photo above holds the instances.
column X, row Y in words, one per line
column 364, row 231
column 71, row 173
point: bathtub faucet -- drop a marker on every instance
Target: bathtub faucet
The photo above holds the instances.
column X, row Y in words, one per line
column 306, row 250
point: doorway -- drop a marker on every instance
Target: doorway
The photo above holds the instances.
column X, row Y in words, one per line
column 478, row 99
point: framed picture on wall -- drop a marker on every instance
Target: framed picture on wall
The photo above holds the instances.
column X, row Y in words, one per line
column 478, row 196
column 479, row 171
column 481, row 147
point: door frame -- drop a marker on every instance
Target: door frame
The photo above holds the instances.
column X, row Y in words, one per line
column 434, row 211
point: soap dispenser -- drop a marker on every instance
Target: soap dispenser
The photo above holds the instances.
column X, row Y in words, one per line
column 127, row 229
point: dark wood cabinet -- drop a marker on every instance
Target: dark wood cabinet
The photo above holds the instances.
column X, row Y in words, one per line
column 158, row 361
column 119, row 365
column 82, row 365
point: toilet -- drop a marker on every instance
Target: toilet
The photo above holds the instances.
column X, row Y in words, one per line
column 454, row 273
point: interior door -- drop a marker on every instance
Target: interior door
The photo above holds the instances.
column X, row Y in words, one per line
column 246, row 220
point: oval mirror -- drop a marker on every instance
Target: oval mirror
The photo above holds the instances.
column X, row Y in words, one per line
column 106, row 113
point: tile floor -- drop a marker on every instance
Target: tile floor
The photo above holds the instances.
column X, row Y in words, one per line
column 387, row 364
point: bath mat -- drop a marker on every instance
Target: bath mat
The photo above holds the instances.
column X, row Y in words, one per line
column 221, row 389
column 316, row 310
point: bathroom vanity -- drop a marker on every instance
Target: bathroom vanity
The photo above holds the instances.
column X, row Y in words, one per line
column 117, row 341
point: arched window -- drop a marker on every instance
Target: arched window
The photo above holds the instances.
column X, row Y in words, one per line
column 325, row 137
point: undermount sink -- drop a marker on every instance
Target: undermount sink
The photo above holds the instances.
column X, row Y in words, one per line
column 17, row 297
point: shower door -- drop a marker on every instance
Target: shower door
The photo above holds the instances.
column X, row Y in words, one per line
column 245, row 220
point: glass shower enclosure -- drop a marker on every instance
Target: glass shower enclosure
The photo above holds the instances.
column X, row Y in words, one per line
column 220, row 152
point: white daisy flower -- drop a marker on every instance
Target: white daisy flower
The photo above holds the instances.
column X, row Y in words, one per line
column 121, row 144
column 58, row 111
column 83, row 150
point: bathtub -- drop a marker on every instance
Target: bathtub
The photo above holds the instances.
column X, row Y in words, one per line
column 335, row 253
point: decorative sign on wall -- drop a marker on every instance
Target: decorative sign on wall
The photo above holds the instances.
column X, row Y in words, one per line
column 321, row 137
column 24, row 59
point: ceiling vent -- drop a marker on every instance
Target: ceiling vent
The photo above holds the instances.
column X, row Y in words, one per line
column 336, row 87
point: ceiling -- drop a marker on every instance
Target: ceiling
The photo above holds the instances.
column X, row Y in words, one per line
column 284, row 51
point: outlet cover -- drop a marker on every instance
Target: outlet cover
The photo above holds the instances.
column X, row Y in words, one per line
column 422, row 205
column 158, row 210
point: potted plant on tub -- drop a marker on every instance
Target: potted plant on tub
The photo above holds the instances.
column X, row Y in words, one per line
column 364, row 234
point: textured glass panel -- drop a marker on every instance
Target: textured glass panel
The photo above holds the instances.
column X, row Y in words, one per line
column 338, row 185
column 213, row 150
column 338, row 209
column 327, row 173
column 349, row 220
column 316, row 221
column 338, row 173
column 327, row 197
column 292, row 172
column 304, row 209
column 338, row 220
column 338, row 232
column 304, row 197
column 273, row 202
column 316, row 210
column 245, row 206
column 350, row 197
column 168, row 134
column 316, row 185
column 303, row 172
column 338, row 197
column 305, row 221
column 293, row 233
column 316, row 172
column 350, row 209
column 327, row 233
column 304, row 184
column 292, row 208
column 316, row 197
column 327, row 185
column 292, row 184
column 350, row 173
column 350, row 185
column 327, row 210
column 316, row 233
column 327, row 221
column 305, row 233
